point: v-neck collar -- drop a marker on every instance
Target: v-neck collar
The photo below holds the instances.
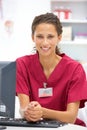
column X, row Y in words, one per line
column 56, row 69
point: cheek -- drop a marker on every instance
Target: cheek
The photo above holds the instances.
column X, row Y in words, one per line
column 54, row 43
column 37, row 41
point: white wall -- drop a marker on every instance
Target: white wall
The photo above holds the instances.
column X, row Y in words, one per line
column 22, row 13
column 19, row 43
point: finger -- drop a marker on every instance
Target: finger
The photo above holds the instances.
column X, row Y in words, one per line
column 30, row 118
column 33, row 104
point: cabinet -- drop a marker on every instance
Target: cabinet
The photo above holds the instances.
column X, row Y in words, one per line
column 76, row 44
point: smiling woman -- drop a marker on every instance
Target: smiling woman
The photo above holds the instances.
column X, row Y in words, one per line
column 46, row 39
column 48, row 82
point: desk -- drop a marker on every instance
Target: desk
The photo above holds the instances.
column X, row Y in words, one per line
column 66, row 127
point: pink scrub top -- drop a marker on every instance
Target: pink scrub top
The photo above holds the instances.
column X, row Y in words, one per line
column 68, row 82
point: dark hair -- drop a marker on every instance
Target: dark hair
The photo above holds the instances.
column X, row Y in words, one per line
column 47, row 18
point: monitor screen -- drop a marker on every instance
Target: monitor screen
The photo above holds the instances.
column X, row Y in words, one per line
column 7, row 88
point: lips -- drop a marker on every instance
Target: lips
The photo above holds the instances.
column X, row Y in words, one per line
column 45, row 48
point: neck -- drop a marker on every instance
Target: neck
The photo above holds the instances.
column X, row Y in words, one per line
column 49, row 62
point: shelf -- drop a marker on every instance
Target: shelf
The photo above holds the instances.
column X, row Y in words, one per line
column 69, row 1
column 78, row 8
column 74, row 42
column 74, row 21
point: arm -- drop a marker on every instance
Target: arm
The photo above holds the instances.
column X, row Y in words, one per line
column 24, row 101
column 68, row 116
column 31, row 111
column 35, row 112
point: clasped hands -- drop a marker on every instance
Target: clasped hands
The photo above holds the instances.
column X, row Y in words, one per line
column 33, row 112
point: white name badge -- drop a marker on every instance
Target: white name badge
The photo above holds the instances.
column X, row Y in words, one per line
column 45, row 92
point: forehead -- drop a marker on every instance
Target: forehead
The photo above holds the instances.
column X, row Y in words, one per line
column 45, row 27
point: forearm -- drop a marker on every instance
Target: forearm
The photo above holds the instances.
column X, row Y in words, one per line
column 23, row 100
column 64, row 116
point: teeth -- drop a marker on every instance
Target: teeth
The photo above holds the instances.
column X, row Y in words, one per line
column 45, row 49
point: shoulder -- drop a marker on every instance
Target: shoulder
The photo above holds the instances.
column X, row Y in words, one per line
column 70, row 61
column 71, row 64
column 27, row 59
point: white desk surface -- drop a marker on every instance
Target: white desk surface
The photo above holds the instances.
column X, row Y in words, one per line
column 66, row 127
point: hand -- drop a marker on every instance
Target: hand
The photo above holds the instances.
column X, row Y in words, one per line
column 34, row 111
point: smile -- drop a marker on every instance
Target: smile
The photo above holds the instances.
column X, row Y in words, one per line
column 45, row 48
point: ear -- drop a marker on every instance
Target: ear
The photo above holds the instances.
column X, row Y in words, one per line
column 60, row 37
column 32, row 38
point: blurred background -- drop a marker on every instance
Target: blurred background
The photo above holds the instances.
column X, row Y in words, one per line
column 16, row 17
column 15, row 26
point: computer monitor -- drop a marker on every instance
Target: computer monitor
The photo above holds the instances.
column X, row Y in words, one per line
column 7, row 88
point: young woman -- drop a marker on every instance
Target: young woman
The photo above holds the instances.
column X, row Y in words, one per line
column 50, row 84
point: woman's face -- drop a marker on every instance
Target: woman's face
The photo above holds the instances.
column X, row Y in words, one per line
column 46, row 39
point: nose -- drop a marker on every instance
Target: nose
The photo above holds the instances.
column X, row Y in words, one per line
column 45, row 41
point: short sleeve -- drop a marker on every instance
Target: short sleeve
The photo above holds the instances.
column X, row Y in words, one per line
column 78, row 86
column 22, row 81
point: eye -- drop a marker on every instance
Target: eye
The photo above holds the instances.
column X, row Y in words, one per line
column 39, row 36
column 50, row 36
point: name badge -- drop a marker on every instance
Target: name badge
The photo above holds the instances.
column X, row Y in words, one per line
column 45, row 92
